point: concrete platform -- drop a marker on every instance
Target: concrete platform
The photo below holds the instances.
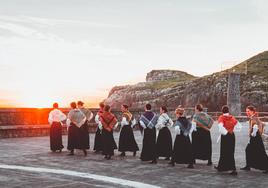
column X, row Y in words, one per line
column 27, row 162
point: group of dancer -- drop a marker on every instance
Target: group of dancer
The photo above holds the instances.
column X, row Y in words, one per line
column 193, row 138
column 77, row 122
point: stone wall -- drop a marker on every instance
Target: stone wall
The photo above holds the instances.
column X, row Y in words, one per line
column 30, row 122
column 27, row 122
column 35, row 116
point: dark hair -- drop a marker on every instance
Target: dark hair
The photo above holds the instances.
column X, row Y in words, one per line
column 199, row 107
column 225, row 109
column 80, row 103
column 148, row 106
column 179, row 110
column 73, row 105
column 164, row 108
column 106, row 108
column 55, row 105
column 125, row 106
column 251, row 108
column 101, row 105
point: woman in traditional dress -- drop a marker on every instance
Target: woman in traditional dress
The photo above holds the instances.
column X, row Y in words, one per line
column 256, row 156
column 109, row 122
column 148, row 121
column 164, row 139
column 202, row 145
column 182, row 149
column 97, row 141
column 85, row 127
column 55, row 119
column 76, row 118
column 227, row 124
column 127, row 140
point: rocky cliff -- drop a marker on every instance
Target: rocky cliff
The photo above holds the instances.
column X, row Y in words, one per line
column 173, row 88
column 162, row 75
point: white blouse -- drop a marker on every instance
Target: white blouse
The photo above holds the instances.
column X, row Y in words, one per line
column 97, row 120
column 56, row 116
column 125, row 122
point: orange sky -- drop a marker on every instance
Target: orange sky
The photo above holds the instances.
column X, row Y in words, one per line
column 63, row 51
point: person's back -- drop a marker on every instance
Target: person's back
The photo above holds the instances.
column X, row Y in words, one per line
column 77, row 117
column 55, row 119
column 148, row 121
column 108, row 121
column 228, row 122
column 149, row 115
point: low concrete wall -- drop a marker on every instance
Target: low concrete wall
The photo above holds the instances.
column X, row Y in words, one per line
column 35, row 116
column 29, row 122
column 27, row 116
column 15, row 131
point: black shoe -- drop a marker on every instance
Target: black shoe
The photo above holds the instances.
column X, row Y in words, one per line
column 60, row 150
column 123, row 154
column 209, row 163
column 167, row 158
column 217, row 168
column 246, row 168
column 233, row 173
column 171, row 163
column 190, row 166
column 105, row 157
column 265, row 172
column 71, row 153
column 108, row 157
column 85, row 152
column 134, row 153
column 98, row 152
column 153, row 162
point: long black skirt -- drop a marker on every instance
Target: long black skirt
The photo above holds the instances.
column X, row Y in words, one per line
column 227, row 161
column 148, row 152
column 73, row 137
column 127, row 140
column 202, row 145
column 164, row 143
column 182, row 150
column 56, row 136
column 84, row 135
column 108, row 142
column 78, row 137
column 256, row 156
column 98, row 141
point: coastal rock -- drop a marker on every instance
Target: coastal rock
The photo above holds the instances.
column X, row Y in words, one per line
column 173, row 88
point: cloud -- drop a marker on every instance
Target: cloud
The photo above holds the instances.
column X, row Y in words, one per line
column 54, row 22
column 49, row 22
column 21, row 30
column 40, row 64
column 24, row 26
